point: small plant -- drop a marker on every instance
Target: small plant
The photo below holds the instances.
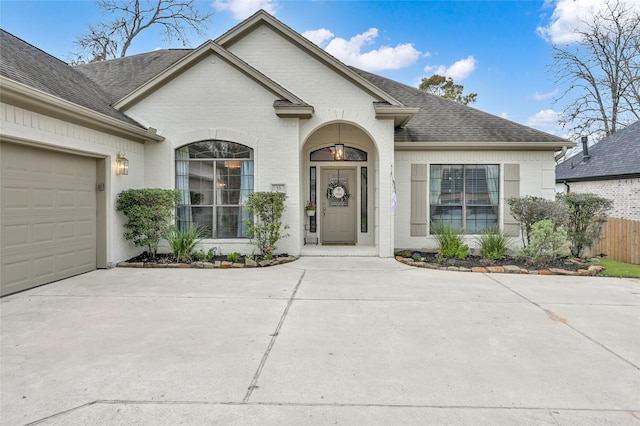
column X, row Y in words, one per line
column 450, row 241
column 546, row 244
column 183, row 242
column 311, row 206
column 202, row 256
column 233, row 257
column 493, row 243
column 149, row 212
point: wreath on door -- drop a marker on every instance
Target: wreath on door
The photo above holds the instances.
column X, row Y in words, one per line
column 338, row 192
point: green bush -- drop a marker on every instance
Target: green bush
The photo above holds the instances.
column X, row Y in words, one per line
column 233, row 257
column 529, row 210
column 493, row 243
column 587, row 212
column 547, row 243
column 450, row 241
column 149, row 212
column 267, row 227
column 202, row 256
column 184, row 242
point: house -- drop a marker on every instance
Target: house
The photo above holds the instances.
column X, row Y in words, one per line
column 260, row 108
column 610, row 169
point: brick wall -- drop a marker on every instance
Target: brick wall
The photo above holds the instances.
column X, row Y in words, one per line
column 625, row 194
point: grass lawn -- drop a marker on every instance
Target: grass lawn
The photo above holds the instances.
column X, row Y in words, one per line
column 619, row 269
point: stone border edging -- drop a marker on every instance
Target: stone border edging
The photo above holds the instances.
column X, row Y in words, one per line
column 508, row 269
column 209, row 265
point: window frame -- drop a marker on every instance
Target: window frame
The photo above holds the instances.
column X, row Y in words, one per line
column 464, row 196
column 222, row 185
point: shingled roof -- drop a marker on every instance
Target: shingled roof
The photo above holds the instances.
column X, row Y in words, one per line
column 443, row 120
column 119, row 77
column 28, row 65
column 614, row 157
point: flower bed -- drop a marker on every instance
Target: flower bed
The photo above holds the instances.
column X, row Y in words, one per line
column 560, row 266
column 216, row 262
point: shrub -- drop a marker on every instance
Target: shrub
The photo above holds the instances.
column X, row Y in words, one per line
column 547, row 243
column 184, row 242
column 529, row 210
column 267, row 227
column 587, row 212
column 233, row 257
column 202, row 256
column 149, row 212
column 450, row 241
column 493, row 243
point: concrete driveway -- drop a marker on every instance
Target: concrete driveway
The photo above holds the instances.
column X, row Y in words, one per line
column 322, row 341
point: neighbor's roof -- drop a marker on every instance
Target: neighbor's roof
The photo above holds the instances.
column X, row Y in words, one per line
column 443, row 120
column 616, row 156
column 28, row 65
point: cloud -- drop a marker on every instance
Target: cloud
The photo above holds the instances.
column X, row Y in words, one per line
column 351, row 51
column 543, row 96
column 505, row 115
column 458, row 71
column 318, row 37
column 546, row 120
column 567, row 16
column 241, row 9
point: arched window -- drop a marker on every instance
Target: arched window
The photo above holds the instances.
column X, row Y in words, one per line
column 328, row 154
column 214, row 178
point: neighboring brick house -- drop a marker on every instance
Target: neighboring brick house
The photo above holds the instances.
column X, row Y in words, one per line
column 609, row 168
column 260, row 108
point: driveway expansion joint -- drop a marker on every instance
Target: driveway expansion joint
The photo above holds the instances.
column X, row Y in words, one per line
column 272, row 342
column 554, row 317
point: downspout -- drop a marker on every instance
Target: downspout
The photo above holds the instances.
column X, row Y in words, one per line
column 567, row 186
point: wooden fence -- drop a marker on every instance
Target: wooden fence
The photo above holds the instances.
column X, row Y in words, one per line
column 620, row 240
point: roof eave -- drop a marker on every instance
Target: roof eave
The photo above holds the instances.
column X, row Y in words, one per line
column 294, row 111
column 27, row 97
column 481, row 146
column 400, row 115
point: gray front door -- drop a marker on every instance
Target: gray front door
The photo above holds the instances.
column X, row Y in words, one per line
column 339, row 204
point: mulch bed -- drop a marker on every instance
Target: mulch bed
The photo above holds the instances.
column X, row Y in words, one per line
column 561, row 266
column 219, row 261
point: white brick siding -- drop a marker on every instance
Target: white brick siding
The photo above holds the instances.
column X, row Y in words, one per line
column 625, row 194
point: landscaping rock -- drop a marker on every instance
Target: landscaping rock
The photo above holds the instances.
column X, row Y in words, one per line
column 479, row 269
column 251, row 263
column 495, row 269
column 512, row 269
column 557, row 271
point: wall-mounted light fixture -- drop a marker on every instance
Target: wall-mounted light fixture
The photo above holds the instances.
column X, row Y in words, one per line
column 122, row 164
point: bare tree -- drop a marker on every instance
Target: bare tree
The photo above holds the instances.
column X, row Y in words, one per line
column 601, row 71
column 107, row 40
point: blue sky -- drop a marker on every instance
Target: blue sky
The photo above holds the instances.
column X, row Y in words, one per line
column 498, row 49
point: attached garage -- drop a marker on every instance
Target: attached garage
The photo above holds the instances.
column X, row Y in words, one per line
column 48, row 210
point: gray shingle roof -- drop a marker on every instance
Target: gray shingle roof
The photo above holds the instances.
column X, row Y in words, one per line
column 613, row 157
column 119, row 77
column 443, row 120
column 26, row 64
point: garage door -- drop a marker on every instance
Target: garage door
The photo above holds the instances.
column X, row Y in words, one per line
column 47, row 216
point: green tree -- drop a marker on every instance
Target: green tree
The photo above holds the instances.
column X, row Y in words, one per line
column 128, row 18
column 445, row 87
column 587, row 212
column 266, row 228
column 149, row 212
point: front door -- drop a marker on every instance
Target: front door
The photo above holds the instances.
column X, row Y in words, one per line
column 338, row 209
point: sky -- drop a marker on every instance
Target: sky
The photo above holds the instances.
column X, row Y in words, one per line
column 500, row 50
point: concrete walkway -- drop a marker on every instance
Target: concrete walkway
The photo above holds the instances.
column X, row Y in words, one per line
column 322, row 341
